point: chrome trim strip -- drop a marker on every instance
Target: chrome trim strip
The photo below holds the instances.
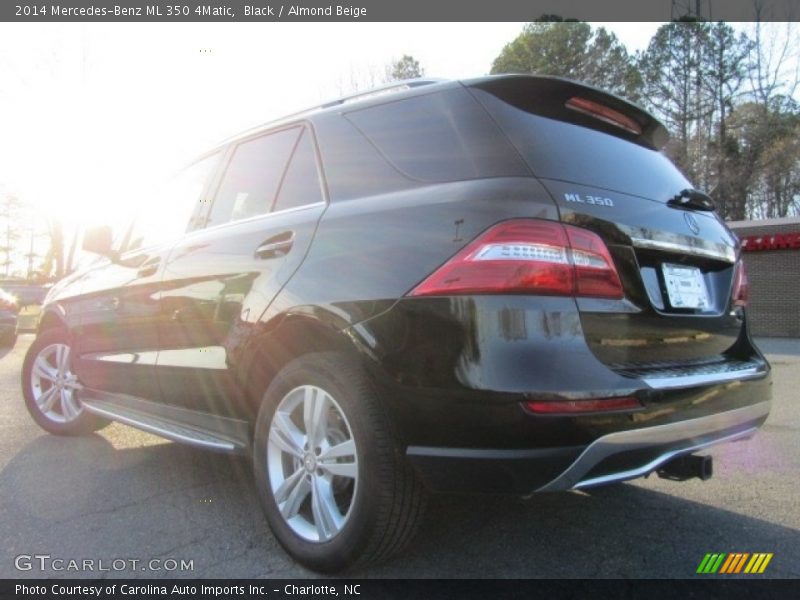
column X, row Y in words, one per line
column 682, row 381
column 156, row 429
column 654, row 464
column 725, row 253
column 262, row 216
column 689, row 430
column 195, row 357
column 125, row 358
column 202, row 357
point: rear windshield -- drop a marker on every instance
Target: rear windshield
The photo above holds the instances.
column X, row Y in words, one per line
column 559, row 150
column 444, row 136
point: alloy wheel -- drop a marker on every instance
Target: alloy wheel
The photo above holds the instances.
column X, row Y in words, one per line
column 55, row 387
column 312, row 463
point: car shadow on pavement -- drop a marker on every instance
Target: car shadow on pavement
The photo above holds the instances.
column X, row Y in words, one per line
column 623, row 530
column 124, row 494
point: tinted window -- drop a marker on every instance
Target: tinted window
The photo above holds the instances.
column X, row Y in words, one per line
column 301, row 184
column 446, row 136
column 172, row 206
column 559, row 150
column 251, row 180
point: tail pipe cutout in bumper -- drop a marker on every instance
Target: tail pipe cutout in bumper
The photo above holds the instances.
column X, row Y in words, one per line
column 634, row 453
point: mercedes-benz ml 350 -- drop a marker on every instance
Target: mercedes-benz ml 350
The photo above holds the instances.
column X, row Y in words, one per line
column 493, row 285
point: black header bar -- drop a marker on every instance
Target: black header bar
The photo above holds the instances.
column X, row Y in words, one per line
column 391, row 589
column 388, row 10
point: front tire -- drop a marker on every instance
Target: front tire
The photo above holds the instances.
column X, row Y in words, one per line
column 335, row 487
column 52, row 390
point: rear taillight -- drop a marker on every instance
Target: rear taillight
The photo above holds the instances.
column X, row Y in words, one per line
column 741, row 286
column 527, row 256
column 583, row 406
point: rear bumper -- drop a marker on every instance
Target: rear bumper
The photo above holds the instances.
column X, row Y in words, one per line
column 457, row 373
column 613, row 457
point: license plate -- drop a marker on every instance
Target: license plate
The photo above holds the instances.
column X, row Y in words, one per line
column 686, row 287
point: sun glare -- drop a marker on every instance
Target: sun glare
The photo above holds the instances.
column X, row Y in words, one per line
column 96, row 115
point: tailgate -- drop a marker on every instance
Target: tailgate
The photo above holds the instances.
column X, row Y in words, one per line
column 598, row 157
column 657, row 250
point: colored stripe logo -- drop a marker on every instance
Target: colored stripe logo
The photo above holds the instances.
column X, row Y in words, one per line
column 734, row 562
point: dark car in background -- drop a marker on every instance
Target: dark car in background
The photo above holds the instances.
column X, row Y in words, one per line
column 20, row 300
column 26, row 292
column 494, row 285
column 9, row 311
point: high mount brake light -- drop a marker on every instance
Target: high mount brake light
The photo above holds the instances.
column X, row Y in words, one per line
column 604, row 113
column 528, row 256
column 741, row 285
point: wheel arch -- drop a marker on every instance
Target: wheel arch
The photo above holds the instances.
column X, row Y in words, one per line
column 293, row 335
column 53, row 317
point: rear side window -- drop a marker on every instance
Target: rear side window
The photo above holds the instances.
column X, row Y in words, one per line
column 445, row 136
column 173, row 208
column 560, row 150
column 301, row 185
column 251, row 181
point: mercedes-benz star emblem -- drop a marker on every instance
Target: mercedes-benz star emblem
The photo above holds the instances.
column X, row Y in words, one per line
column 691, row 222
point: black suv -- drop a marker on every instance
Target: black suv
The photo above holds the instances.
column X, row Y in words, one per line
column 491, row 285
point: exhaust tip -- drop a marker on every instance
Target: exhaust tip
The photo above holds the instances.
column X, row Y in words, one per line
column 687, row 467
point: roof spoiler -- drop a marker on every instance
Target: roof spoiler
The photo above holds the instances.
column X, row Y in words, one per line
column 573, row 102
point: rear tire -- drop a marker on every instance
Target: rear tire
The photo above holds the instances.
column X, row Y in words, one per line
column 52, row 391
column 332, row 480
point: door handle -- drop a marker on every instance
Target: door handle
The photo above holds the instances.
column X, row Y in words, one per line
column 276, row 246
column 148, row 268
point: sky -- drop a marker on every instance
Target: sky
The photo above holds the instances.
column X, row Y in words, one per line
column 91, row 114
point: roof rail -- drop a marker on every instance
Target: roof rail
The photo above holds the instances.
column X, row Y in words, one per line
column 395, row 86
column 389, row 88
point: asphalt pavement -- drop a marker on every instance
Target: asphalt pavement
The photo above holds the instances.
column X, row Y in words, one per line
column 127, row 500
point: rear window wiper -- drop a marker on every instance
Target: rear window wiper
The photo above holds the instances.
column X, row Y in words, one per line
column 694, row 199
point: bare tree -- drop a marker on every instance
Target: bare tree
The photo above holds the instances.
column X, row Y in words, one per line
column 775, row 57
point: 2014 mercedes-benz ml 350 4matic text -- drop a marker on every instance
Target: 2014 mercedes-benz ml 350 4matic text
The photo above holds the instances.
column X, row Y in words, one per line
column 491, row 285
